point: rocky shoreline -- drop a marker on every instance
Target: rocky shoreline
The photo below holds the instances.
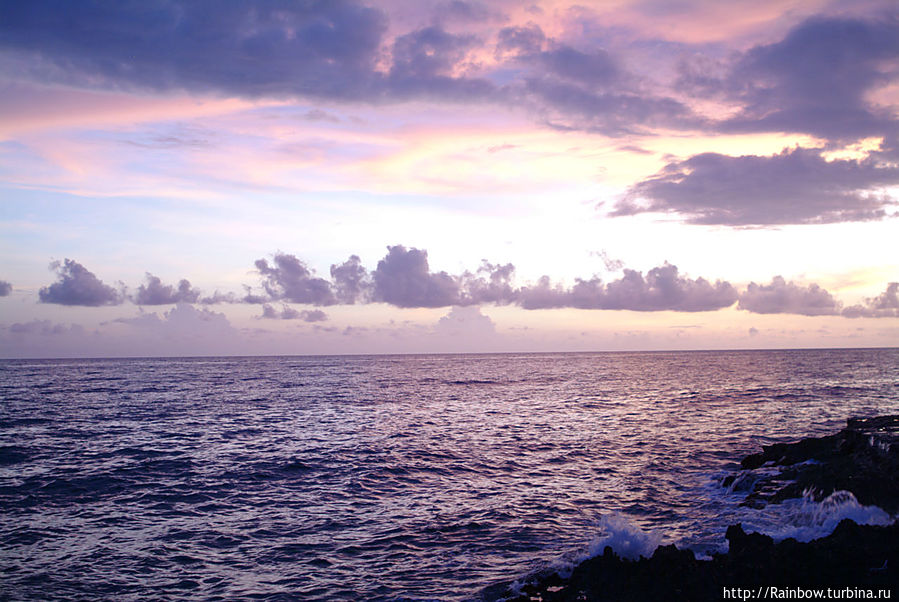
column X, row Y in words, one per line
column 853, row 561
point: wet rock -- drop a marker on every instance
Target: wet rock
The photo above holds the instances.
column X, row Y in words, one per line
column 863, row 458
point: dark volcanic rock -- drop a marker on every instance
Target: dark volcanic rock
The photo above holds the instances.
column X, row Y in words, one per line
column 863, row 458
column 852, row 556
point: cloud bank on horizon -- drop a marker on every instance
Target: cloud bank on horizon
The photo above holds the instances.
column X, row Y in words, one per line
column 403, row 279
column 355, row 124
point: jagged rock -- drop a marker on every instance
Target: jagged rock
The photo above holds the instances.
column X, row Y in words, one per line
column 863, row 458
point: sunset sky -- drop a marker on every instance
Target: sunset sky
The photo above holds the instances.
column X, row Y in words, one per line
column 277, row 177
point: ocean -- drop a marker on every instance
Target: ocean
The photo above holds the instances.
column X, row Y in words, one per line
column 428, row 477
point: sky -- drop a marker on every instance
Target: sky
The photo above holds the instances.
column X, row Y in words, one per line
column 303, row 177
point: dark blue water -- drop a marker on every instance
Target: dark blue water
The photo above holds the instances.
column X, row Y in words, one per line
column 391, row 477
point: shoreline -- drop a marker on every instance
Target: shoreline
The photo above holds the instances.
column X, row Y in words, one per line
column 854, row 561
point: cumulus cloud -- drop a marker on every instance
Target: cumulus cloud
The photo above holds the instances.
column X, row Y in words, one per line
column 289, row 279
column 492, row 283
column 465, row 321
column 663, row 288
column 184, row 321
column 794, row 187
column 219, row 297
column 288, row 313
column 782, row 297
column 403, row 278
column 154, row 292
column 5, row 288
column 885, row 305
column 352, row 283
column 78, row 286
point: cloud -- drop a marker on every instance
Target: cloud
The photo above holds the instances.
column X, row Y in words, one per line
column 797, row 186
column 219, row 297
column 817, row 80
column 520, row 41
column 465, row 321
column 328, row 50
column 291, row 280
column 573, row 88
column 885, row 305
column 782, row 297
column 491, row 284
column 78, row 286
column 5, row 288
column 44, row 328
column 266, row 48
column 182, row 322
column 457, row 11
column 663, row 288
column 424, row 65
column 352, row 283
column 403, row 279
column 156, row 293
column 288, row 313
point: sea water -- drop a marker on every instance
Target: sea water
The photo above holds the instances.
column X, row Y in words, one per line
column 395, row 477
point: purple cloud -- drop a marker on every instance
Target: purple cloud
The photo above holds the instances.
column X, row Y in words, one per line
column 404, row 279
column 352, row 283
column 5, row 288
column 43, row 327
column 156, row 293
column 795, row 187
column 289, row 313
column 816, row 80
column 78, row 286
column 782, row 297
column 323, row 49
column 290, row 279
column 885, row 305
column 663, row 288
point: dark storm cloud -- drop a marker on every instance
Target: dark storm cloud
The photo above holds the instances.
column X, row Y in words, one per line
column 270, row 47
column 816, row 80
column 154, row 292
column 352, row 283
column 289, row 313
column 404, row 279
column 78, row 286
column 5, row 288
column 885, row 305
column 794, row 187
column 663, row 288
column 782, row 297
column 288, row 278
